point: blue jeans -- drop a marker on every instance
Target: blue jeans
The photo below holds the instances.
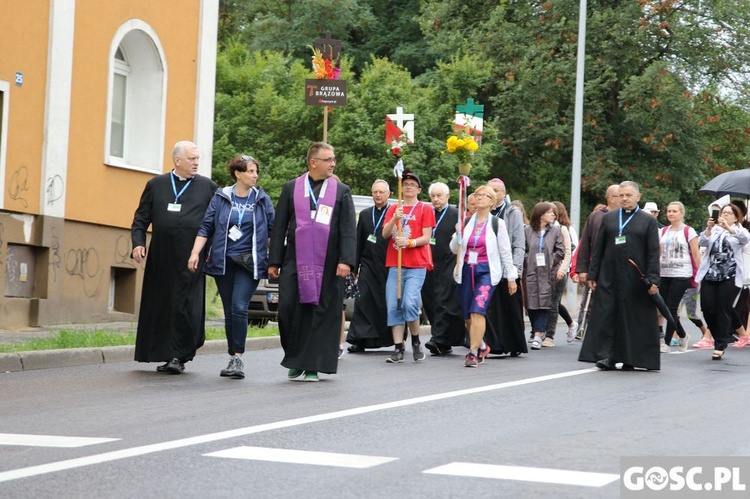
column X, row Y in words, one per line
column 236, row 288
column 411, row 295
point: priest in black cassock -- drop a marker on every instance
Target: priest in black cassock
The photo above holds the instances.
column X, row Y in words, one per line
column 368, row 327
column 171, row 321
column 313, row 248
column 623, row 324
column 440, row 297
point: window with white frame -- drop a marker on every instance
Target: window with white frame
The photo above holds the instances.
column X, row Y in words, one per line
column 136, row 100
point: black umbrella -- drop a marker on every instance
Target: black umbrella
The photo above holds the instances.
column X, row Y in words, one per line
column 658, row 300
column 736, row 183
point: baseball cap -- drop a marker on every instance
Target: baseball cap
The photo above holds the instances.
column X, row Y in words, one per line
column 650, row 206
column 407, row 175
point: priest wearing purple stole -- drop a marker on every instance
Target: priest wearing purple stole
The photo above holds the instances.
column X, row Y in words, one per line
column 316, row 214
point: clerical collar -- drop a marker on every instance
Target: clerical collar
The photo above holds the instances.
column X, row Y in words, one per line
column 180, row 177
column 628, row 211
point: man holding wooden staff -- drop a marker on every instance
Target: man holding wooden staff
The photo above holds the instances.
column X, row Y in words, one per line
column 409, row 224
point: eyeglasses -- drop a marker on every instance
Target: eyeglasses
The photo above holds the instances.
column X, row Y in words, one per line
column 248, row 158
column 326, row 160
column 482, row 195
column 416, row 186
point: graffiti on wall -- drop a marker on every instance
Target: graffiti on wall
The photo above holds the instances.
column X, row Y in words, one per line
column 84, row 264
column 19, row 185
column 122, row 251
column 55, row 188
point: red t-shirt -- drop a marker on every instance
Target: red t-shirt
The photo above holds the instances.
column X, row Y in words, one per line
column 415, row 219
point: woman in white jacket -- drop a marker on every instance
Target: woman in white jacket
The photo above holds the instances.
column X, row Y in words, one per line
column 720, row 273
column 486, row 258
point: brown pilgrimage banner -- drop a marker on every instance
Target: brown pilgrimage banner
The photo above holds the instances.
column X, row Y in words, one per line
column 325, row 92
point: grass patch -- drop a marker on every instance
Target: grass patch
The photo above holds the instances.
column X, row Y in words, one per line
column 102, row 338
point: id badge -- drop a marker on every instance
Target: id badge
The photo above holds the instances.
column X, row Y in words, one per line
column 312, row 214
column 372, row 238
column 324, row 215
column 176, row 207
column 540, row 260
column 235, row 233
column 473, row 257
column 620, row 240
column 433, row 241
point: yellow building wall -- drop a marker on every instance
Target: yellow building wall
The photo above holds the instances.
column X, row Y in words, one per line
column 23, row 48
column 96, row 192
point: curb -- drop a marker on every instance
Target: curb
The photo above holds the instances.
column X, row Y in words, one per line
column 71, row 357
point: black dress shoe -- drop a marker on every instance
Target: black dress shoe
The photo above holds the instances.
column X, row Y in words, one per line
column 175, row 366
column 162, row 368
column 628, row 367
column 355, row 349
column 605, row 364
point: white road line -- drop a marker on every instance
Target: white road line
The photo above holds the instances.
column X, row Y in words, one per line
column 250, row 430
column 50, row 440
column 524, row 474
column 302, row 457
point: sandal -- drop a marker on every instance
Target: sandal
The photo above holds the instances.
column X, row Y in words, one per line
column 742, row 342
column 717, row 355
column 704, row 343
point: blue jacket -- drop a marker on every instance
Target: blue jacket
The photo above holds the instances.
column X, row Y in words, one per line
column 215, row 227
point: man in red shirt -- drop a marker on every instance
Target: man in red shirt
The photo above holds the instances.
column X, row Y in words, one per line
column 416, row 220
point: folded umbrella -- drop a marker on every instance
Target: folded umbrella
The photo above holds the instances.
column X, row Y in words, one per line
column 658, row 300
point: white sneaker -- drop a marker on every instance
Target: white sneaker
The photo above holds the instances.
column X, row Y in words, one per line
column 683, row 345
column 537, row 343
column 572, row 330
column 664, row 348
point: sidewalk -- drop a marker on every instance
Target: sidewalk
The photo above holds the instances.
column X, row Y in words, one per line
column 69, row 357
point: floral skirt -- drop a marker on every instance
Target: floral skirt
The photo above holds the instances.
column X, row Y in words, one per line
column 476, row 289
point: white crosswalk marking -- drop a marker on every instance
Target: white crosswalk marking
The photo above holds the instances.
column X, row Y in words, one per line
column 50, row 440
column 525, row 474
column 302, row 457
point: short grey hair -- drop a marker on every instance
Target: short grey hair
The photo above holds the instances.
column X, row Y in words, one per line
column 439, row 186
column 630, row 183
column 179, row 148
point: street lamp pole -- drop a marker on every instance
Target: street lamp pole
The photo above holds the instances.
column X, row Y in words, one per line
column 575, row 177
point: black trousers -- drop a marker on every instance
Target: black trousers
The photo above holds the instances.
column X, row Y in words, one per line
column 717, row 300
column 672, row 289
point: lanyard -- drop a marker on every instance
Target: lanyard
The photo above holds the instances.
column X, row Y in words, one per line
column 445, row 210
column 408, row 217
column 541, row 239
column 312, row 194
column 241, row 208
column 478, row 234
column 174, row 187
column 375, row 227
column 622, row 225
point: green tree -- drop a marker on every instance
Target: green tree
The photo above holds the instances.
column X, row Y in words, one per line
column 646, row 61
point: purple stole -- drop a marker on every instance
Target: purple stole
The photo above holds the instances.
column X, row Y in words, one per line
column 311, row 237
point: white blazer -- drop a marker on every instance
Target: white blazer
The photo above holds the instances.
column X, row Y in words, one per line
column 736, row 241
column 499, row 252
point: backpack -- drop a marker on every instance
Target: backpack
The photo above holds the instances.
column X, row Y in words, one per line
column 686, row 231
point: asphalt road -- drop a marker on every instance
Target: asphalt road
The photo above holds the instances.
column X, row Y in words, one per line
column 199, row 435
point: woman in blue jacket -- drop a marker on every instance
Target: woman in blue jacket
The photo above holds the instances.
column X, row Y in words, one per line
column 237, row 222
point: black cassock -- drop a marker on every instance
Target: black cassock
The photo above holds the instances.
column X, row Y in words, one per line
column 368, row 327
column 440, row 292
column 623, row 325
column 171, row 321
column 310, row 333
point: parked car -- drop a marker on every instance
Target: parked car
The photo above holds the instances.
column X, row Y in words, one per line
column 264, row 305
